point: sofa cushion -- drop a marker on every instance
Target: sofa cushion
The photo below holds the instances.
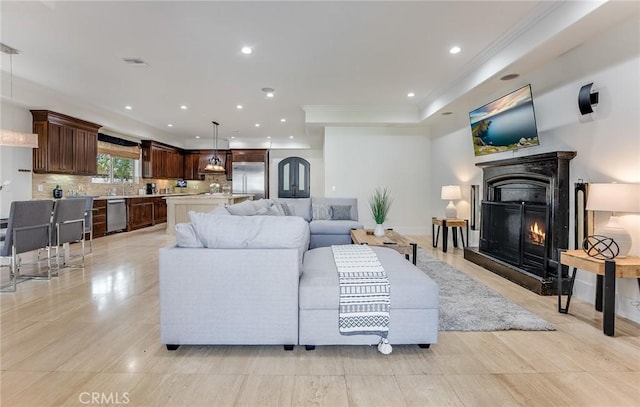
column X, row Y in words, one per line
column 300, row 207
column 321, row 212
column 186, row 236
column 410, row 287
column 244, row 208
column 341, row 212
column 252, row 232
column 333, row 227
column 339, row 202
column 268, row 211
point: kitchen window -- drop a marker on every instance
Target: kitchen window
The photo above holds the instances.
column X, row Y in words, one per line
column 118, row 161
column 115, row 170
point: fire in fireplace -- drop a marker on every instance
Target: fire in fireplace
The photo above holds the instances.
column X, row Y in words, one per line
column 536, row 234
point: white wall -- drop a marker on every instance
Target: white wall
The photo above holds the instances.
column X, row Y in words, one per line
column 359, row 159
column 15, row 162
column 316, row 164
column 607, row 143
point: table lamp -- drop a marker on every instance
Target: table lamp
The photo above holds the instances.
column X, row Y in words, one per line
column 615, row 198
column 451, row 193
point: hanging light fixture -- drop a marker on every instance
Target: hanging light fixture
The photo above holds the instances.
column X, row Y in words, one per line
column 215, row 164
column 9, row 137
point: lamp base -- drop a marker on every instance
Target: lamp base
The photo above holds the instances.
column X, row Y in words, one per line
column 451, row 212
column 619, row 234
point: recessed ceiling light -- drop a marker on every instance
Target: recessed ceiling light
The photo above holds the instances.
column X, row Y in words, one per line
column 169, row 125
column 246, row 50
column 197, row 136
column 270, row 94
column 290, row 136
column 257, row 125
column 410, row 94
column 239, row 107
column 183, row 107
column 233, row 136
column 283, row 120
column 455, row 49
column 128, row 107
column 508, row 77
column 268, row 137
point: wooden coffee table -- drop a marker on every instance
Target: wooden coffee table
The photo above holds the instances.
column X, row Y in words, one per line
column 391, row 239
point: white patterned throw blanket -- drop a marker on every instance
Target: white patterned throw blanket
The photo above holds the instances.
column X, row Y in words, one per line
column 364, row 291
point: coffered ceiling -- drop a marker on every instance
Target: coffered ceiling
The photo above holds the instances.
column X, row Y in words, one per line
column 340, row 63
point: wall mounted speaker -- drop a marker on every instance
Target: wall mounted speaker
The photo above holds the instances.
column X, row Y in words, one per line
column 586, row 99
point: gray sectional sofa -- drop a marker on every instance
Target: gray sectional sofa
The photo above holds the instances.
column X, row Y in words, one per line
column 330, row 219
column 251, row 280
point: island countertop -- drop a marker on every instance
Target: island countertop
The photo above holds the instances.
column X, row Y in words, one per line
column 178, row 207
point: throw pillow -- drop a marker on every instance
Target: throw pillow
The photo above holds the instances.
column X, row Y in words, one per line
column 321, row 212
column 341, row 212
column 271, row 211
column 245, row 208
column 288, row 210
column 186, row 236
column 280, row 208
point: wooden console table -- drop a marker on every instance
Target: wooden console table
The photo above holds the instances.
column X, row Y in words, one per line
column 626, row 267
column 448, row 223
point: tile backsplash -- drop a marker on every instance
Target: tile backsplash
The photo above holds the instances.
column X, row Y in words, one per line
column 82, row 185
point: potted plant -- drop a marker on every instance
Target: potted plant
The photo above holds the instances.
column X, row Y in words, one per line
column 380, row 203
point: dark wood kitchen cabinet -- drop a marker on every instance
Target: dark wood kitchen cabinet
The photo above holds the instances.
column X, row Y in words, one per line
column 99, row 218
column 159, row 210
column 140, row 212
column 66, row 145
column 161, row 160
column 191, row 165
column 249, row 155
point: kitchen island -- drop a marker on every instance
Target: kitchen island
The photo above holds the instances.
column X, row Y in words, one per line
column 178, row 207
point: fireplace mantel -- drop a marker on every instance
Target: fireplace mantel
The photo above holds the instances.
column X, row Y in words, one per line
column 534, row 181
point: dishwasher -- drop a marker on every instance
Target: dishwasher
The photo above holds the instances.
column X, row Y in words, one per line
column 116, row 215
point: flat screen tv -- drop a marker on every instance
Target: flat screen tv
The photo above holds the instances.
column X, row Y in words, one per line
column 508, row 123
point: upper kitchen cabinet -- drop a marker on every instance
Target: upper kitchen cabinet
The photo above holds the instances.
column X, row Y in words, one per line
column 249, row 155
column 191, row 165
column 66, row 145
column 161, row 160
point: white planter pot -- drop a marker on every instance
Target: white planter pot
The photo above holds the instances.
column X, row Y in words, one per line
column 378, row 231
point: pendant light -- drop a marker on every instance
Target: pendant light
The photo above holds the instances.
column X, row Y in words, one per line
column 9, row 137
column 215, row 164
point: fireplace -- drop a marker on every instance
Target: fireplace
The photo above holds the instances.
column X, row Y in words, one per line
column 525, row 219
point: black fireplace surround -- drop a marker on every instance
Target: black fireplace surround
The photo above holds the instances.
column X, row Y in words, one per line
column 525, row 219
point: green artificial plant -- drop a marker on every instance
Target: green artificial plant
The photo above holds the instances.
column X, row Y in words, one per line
column 380, row 203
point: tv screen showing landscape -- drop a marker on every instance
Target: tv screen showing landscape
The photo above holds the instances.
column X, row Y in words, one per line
column 508, row 123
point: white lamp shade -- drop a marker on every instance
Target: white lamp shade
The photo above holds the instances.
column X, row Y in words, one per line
column 451, row 192
column 613, row 197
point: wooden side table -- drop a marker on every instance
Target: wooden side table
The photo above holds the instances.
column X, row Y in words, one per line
column 626, row 267
column 448, row 223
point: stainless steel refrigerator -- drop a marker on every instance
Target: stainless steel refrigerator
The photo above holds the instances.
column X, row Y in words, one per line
column 249, row 178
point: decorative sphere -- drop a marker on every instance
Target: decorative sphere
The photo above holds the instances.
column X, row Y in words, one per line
column 600, row 247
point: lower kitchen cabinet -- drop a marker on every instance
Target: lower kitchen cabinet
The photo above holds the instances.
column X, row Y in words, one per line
column 140, row 213
column 99, row 218
column 159, row 210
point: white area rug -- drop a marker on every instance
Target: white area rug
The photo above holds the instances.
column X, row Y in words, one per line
column 467, row 305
